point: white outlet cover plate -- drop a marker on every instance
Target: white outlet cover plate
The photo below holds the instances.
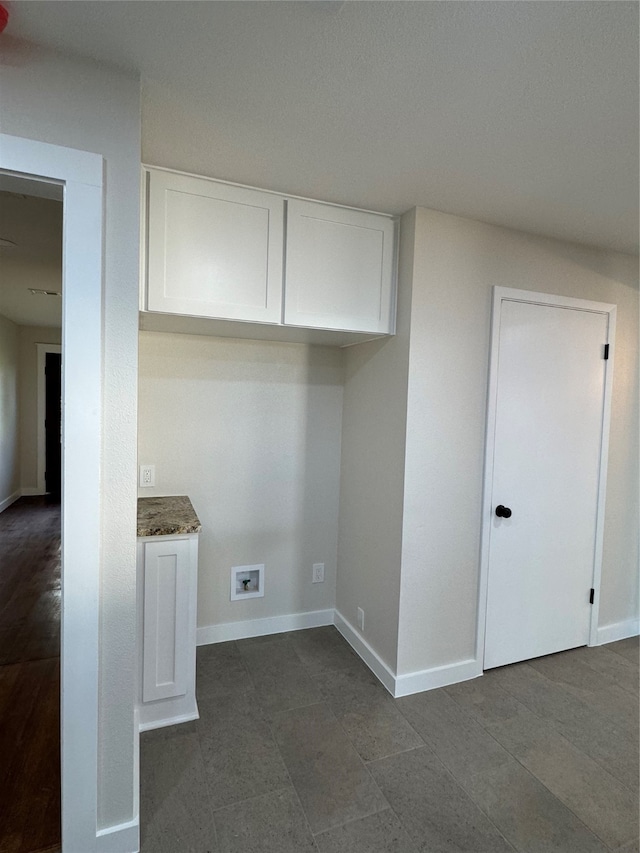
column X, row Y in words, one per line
column 317, row 575
column 147, row 476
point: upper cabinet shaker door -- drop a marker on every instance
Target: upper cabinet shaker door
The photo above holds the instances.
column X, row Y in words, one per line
column 215, row 250
column 339, row 268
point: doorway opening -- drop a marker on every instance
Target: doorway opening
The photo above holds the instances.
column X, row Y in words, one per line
column 30, row 525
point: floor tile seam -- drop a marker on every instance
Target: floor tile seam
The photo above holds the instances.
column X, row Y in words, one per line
column 560, row 734
column 459, row 784
column 398, row 752
column 236, row 803
column 360, row 759
column 480, row 721
column 206, row 782
column 297, row 796
column 605, row 648
column 352, row 820
column 529, row 708
column 383, row 700
column 549, row 791
column 368, row 814
column 555, row 726
column 371, row 777
column 273, row 716
column 608, row 680
column 244, row 664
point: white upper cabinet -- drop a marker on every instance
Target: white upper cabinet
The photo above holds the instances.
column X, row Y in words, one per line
column 214, row 250
column 339, row 268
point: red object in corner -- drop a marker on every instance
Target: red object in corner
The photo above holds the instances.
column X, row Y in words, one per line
column 4, row 17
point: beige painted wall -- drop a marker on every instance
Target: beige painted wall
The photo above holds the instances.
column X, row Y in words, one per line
column 70, row 102
column 372, row 472
column 29, row 336
column 251, row 432
column 457, row 262
column 9, row 418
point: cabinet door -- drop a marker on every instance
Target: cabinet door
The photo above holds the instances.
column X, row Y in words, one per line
column 213, row 250
column 166, row 630
column 339, row 268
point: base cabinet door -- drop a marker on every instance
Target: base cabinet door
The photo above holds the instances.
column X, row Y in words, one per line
column 167, row 587
column 214, row 250
column 339, row 268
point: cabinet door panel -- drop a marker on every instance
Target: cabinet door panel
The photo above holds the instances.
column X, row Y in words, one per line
column 166, row 615
column 214, row 250
column 339, row 269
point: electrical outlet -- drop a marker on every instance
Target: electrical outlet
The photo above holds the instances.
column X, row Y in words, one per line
column 361, row 618
column 147, row 476
column 317, row 575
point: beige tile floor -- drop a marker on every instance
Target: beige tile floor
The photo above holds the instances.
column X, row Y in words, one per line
column 299, row 748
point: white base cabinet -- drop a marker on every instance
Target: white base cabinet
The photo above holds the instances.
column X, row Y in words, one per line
column 167, row 604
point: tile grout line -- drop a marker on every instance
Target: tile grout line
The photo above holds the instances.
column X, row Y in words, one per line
column 206, row 782
column 533, row 776
column 275, row 743
column 558, row 731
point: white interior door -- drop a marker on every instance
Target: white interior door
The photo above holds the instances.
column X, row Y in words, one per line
column 548, row 438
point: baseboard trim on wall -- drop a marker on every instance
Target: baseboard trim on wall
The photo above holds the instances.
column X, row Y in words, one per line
column 438, row 676
column 260, row 627
column 617, row 631
column 6, row 503
column 31, row 491
column 403, row 685
column 121, row 838
column 168, row 721
column 380, row 669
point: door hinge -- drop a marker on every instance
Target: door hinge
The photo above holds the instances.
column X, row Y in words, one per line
column 606, row 352
column 591, row 596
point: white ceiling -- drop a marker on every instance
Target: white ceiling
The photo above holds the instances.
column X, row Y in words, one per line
column 35, row 226
column 518, row 113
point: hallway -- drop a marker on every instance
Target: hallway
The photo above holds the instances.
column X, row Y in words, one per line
column 30, row 677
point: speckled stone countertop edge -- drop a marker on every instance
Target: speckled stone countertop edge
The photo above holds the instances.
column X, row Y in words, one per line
column 169, row 515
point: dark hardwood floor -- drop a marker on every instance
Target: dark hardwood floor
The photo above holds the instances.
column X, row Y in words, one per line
column 30, row 677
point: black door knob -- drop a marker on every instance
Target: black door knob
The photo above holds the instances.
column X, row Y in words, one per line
column 503, row 511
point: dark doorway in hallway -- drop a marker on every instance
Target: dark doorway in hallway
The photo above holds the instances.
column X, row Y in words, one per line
column 52, row 424
column 30, row 599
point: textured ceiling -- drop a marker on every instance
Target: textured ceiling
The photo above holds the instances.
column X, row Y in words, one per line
column 523, row 114
column 35, row 226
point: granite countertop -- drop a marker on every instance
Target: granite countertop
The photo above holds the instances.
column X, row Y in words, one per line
column 167, row 516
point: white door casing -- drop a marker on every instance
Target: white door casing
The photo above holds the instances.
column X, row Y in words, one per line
column 81, row 175
column 547, row 440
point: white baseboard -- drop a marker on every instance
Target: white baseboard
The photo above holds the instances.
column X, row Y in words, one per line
column 122, row 838
column 412, row 682
column 378, row 667
column 10, row 500
column 260, row 627
column 403, row 685
column 168, row 721
column 617, row 631
column 438, row 676
column 31, row 491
